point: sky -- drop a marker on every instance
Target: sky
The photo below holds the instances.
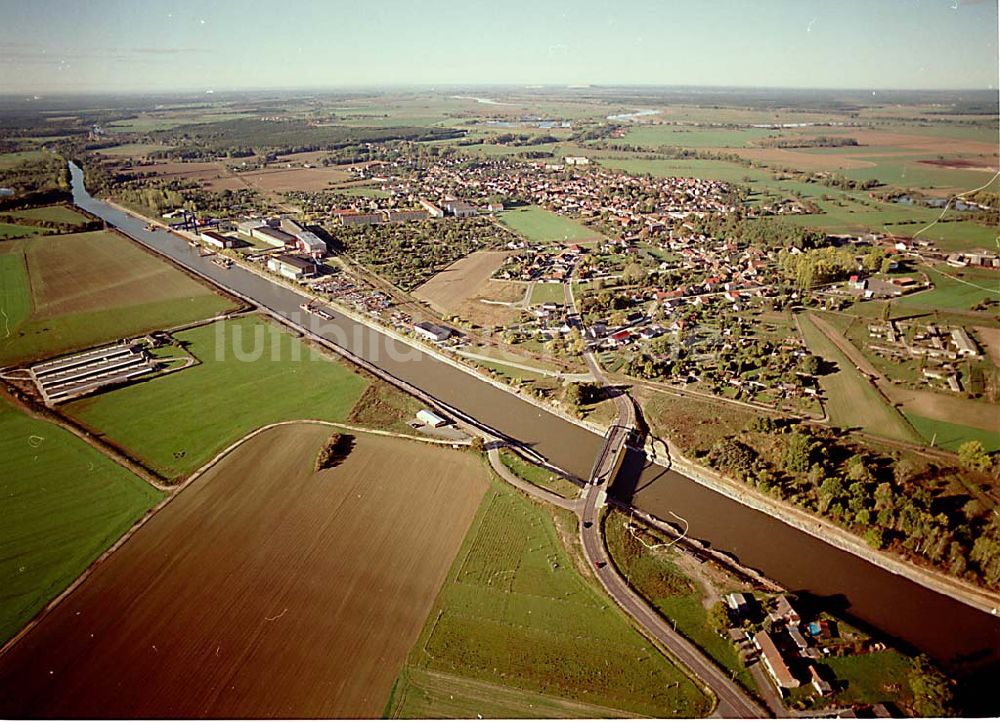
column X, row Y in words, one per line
column 52, row 46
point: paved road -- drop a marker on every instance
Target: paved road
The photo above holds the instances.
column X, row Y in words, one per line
column 733, row 701
column 493, row 453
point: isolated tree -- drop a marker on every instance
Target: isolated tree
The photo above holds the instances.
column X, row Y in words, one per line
column 633, row 273
column 972, row 455
column 718, row 617
column 810, row 364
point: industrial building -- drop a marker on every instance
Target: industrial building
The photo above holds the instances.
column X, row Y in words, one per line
column 431, row 209
column 306, row 242
column 83, row 373
column 274, row 237
column 292, row 267
column 461, row 209
column 217, row 240
column 432, row 331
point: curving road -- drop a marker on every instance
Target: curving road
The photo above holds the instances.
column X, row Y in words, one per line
column 733, row 702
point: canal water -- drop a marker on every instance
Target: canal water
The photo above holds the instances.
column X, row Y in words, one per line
column 954, row 633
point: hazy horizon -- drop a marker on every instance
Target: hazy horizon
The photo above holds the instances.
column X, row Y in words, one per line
column 109, row 47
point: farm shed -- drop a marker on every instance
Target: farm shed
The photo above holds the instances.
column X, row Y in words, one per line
column 430, row 418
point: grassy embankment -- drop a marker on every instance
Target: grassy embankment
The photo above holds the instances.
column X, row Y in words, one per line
column 538, row 476
column 655, row 574
column 851, row 401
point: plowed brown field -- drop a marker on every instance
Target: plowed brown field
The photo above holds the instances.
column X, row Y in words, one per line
column 263, row 590
column 459, row 288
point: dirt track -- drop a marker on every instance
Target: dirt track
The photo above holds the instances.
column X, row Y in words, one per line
column 263, row 590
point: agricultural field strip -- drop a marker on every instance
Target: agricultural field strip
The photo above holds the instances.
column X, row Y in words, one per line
column 852, row 400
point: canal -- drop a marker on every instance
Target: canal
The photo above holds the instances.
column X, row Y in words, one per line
column 955, row 633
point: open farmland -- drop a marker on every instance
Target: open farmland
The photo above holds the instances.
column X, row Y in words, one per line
column 288, row 593
column 55, row 214
column 15, row 230
column 539, row 225
column 989, row 339
column 64, row 503
column 516, row 613
column 91, row 287
column 132, row 150
column 956, row 288
column 900, row 157
column 166, row 120
column 175, row 423
column 948, row 408
column 951, row 436
column 212, row 175
column 460, row 288
column 280, row 180
column 719, row 170
column 10, row 160
column 649, row 135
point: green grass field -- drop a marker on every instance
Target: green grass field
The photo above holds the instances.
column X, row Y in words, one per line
column 871, row 678
column 950, row 436
column 58, row 214
column 251, row 373
column 87, row 288
column 652, row 136
column 719, row 170
column 9, row 160
column 426, row 694
column 15, row 295
column 511, row 372
column 850, row 400
column 538, row 476
column 514, row 612
column 907, row 172
column 540, row 225
column 547, row 293
column 127, row 150
column 13, row 230
column 961, row 288
column 167, row 121
column 64, row 503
